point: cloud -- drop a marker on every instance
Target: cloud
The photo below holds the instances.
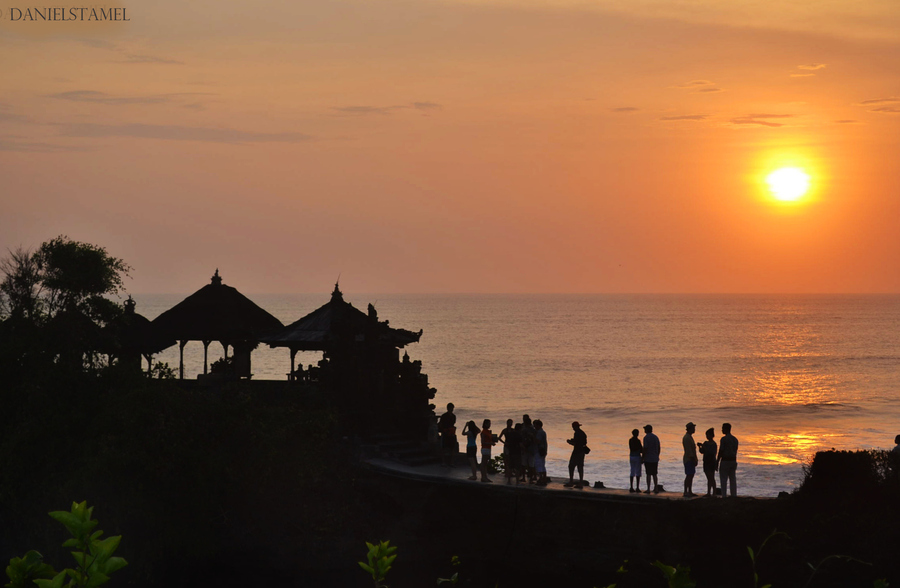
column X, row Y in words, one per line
column 891, row 100
column 178, row 133
column 760, row 119
column 10, row 117
column 625, row 109
column 17, row 145
column 806, row 75
column 887, row 109
column 686, row 117
column 694, row 84
column 364, row 110
column 131, row 58
column 427, row 106
column 709, row 90
column 812, row 66
column 97, row 43
column 845, row 121
column 104, row 98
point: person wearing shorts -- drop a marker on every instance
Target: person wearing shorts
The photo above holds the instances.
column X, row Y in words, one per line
column 635, row 456
column 651, row 458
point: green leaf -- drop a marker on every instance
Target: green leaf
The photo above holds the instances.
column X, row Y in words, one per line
column 56, row 582
column 752, row 556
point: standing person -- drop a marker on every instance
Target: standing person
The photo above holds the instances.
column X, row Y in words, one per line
column 527, row 440
column 578, row 443
column 690, row 459
column 471, row 432
column 507, row 458
column 895, row 452
column 651, row 458
column 635, row 453
column 709, row 448
column 728, row 448
column 515, row 451
column 540, row 460
column 447, row 426
column 487, row 441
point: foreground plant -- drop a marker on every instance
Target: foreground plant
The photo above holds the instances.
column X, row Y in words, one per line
column 379, row 558
column 93, row 557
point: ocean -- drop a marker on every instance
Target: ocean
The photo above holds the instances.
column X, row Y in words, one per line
column 793, row 374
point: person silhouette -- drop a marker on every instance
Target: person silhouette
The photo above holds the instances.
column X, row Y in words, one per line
column 635, row 453
column 689, row 459
column 540, row 458
column 506, row 438
column 576, row 461
column 708, row 449
column 651, row 458
column 895, row 452
column 487, row 441
column 447, row 427
column 471, row 432
column 727, row 461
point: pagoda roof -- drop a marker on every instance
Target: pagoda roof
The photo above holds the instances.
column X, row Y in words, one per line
column 215, row 312
column 338, row 321
column 133, row 332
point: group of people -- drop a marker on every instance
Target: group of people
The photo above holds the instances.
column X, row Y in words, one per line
column 524, row 447
column 525, row 452
column 721, row 457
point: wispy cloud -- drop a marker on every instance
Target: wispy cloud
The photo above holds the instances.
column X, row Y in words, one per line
column 846, row 121
column 890, row 100
column 709, row 90
column 104, row 98
column 132, row 58
column 625, row 109
column 694, row 117
column 178, row 133
column 803, row 75
column 16, row 144
column 761, row 119
column 365, row 110
column 887, row 109
column 693, row 84
column 10, row 117
column 813, row 66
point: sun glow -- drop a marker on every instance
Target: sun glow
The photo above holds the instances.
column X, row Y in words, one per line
column 788, row 184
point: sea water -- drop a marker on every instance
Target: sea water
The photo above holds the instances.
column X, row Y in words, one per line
column 793, row 374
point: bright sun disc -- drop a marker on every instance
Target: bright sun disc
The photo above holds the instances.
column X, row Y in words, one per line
column 788, row 183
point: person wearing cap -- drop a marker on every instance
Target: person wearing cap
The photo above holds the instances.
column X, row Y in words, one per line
column 690, row 459
column 578, row 443
column 651, row 458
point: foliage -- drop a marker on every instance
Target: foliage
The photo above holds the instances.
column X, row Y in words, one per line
column 453, row 580
column 55, row 304
column 162, row 371
column 94, row 557
column 379, row 558
column 754, row 556
column 854, row 474
column 497, row 464
column 677, row 577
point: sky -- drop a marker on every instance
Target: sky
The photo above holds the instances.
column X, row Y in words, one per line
column 460, row 146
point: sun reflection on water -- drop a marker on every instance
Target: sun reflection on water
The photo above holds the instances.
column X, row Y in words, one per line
column 785, row 449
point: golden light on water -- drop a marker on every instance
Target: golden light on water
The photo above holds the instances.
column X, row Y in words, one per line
column 788, row 184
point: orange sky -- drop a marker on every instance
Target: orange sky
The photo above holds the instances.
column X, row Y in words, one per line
column 461, row 146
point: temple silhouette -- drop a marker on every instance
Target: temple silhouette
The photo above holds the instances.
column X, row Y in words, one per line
column 376, row 391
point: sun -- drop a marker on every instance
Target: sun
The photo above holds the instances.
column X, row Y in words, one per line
column 788, row 184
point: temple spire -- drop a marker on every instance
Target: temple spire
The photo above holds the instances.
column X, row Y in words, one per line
column 216, row 279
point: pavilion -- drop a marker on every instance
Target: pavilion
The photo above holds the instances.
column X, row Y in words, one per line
column 361, row 369
column 217, row 312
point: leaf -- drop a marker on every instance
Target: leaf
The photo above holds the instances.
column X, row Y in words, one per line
column 56, row 582
column 367, row 568
column 750, row 551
